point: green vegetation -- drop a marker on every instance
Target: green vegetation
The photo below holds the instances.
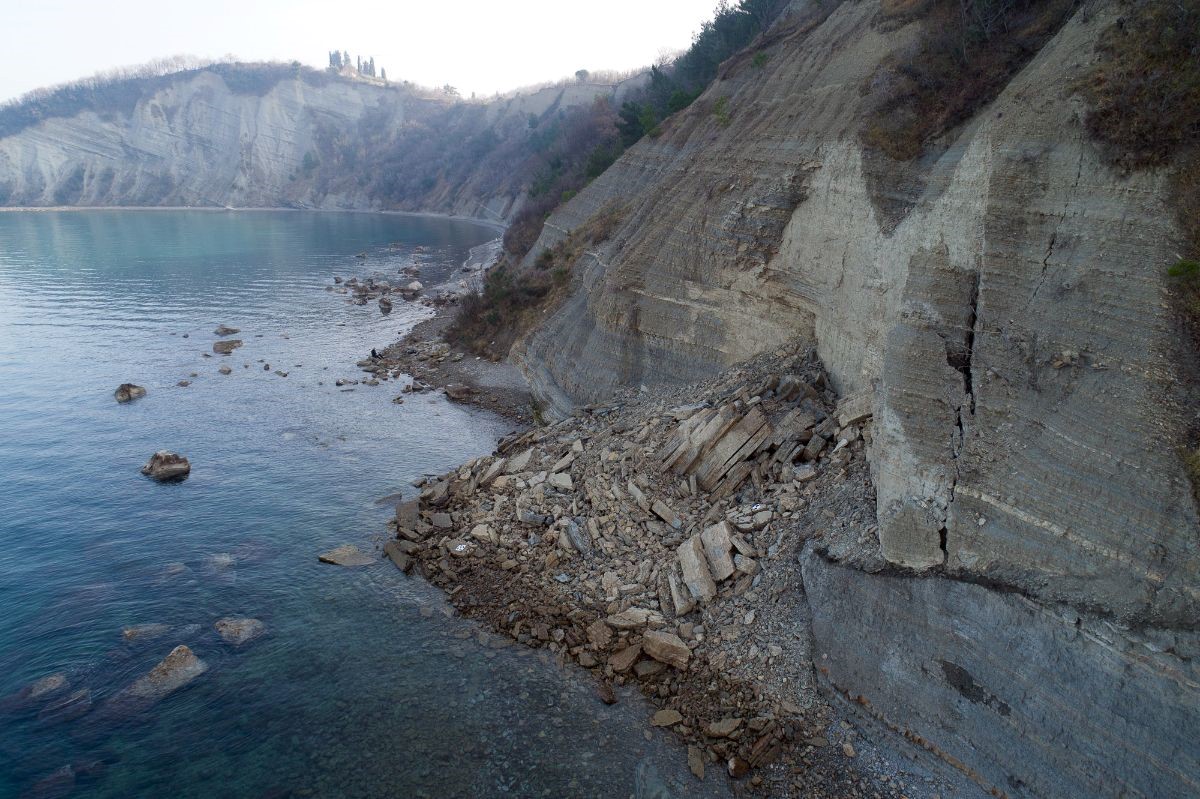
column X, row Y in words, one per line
column 760, row 60
column 721, row 111
column 1191, row 464
column 967, row 52
column 675, row 86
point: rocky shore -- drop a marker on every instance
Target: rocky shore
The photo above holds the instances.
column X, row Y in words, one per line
column 423, row 354
column 655, row 541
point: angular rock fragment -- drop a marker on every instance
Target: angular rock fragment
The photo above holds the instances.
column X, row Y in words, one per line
column 127, row 392
column 723, row 728
column 600, row 634
column 227, row 346
column 397, row 555
column 696, row 575
column 518, row 463
column 175, row 671
column 665, row 718
column 664, row 512
column 346, row 555
column 239, row 631
column 623, row 660
column 717, row 545
column 667, row 648
column 579, row 538
column 165, row 466
column 634, row 618
column 681, row 597
column 407, row 515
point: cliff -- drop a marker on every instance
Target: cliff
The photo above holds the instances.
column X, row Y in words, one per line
column 248, row 135
column 1003, row 303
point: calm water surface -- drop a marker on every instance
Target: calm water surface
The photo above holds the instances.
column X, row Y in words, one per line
column 365, row 685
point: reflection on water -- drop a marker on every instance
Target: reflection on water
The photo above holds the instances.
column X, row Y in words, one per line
column 364, row 684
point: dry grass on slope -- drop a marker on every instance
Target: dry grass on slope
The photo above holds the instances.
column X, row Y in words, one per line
column 1144, row 111
column 965, row 55
column 511, row 301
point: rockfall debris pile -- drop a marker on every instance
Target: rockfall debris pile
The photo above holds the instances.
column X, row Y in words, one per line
column 654, row 541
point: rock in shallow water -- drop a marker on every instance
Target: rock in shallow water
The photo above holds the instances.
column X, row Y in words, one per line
column 164, row 465
column 69, row 707
column 127, row 392
column 239, row 631
column 143, row 632
column 227, row 346
column 346, row 555
column 173, row 672
column 37, row 691
column 222, row 330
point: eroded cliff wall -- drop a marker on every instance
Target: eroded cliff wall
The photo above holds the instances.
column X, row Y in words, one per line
column 194, row 142
column 1005, row 304
column 248, row 135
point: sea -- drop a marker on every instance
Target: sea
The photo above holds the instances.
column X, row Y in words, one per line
column 365, row 683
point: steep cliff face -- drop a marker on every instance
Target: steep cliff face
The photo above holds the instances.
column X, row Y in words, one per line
column 194, row 142
column 1004, row 303
column 270, row 135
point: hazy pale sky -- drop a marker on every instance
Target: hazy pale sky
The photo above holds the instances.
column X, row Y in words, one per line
column 479, row 46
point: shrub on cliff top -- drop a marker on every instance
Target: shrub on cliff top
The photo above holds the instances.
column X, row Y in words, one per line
column 1144, row 93
column 965, row 55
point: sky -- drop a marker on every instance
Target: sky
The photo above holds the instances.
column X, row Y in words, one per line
column 480, row 46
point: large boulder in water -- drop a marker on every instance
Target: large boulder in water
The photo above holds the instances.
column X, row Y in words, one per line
column 227, row 346
column 164, row 465
column 172, row 673
column 385, row 305
column 127, row 392
column 346, row 555
column 239, row 631
column 222, row 330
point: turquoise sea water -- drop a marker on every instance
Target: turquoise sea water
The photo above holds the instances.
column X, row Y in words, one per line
column 365, row 685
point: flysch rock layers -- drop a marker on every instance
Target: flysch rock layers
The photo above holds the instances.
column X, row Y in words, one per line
column 1004, row 308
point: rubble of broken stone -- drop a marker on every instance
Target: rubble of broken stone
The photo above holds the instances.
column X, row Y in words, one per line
column 641, row 538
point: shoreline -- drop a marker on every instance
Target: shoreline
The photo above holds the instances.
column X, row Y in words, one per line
column 573, row 537
column 490, row 223
column 433, row 363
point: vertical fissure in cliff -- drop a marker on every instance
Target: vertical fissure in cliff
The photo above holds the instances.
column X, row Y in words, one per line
column 963, row 360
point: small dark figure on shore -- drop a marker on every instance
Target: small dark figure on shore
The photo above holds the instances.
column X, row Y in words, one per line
column 374, row 354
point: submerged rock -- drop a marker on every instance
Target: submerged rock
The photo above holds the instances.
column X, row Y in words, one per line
column 56, row 785
column 173, row 672
column 222, row 330
column 346, row 555
column 144, row 631
column 164, row 465
column 68, row 708
column 385, row 305
column 238, row 631
column 127, row 392
column 227, row 346
column 37, row 691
